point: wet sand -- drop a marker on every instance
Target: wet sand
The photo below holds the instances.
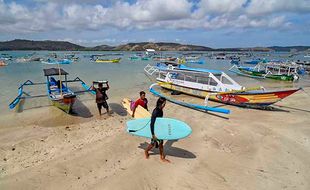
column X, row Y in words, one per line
column 248, row 149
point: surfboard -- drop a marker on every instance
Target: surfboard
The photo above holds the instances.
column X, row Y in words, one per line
column 164, row 129
column 140, row 111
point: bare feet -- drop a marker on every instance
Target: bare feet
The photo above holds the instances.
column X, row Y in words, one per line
column 165, row 160
column 147, row 155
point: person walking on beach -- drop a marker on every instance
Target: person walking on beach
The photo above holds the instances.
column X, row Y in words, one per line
column 157, row 112
column 142, row 101
column 101, row 96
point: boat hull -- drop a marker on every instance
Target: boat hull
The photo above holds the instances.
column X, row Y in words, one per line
column 108, row 61
column 249, row 99
column 282, row 77
column 66, row 103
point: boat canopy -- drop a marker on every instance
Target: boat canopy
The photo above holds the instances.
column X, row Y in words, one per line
column 216, row 72
column 150, row 50
column 54, row 71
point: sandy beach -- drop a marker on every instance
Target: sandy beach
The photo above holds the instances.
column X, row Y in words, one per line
column 248, row 149
column 60, row 61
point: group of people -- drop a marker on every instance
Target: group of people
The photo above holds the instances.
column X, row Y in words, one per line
column 101, row 100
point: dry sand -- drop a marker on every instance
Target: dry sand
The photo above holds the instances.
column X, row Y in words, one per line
column 250, row 149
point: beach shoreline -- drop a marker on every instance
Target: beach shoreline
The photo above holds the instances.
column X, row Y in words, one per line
column 248, row 149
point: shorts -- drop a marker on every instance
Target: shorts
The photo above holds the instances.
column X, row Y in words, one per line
column 156, row 142
column 103, row 104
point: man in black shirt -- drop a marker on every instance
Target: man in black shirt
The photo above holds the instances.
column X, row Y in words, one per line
column 101, row 96
column 157, row 112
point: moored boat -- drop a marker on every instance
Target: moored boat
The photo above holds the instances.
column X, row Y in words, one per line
column 58, row 92
column 271, row 70
column 160, row 58
column 217, row 86
column 6, row 57
column 60, row 61
column 108, row 60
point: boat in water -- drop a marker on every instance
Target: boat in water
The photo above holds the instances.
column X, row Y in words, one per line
column 160, row 58
column 60, row 61
column 270, row 70
column 216, row 86
column 71, row 56
column 6, row 57
column 58, row 92
column 27, row 59
column 140, row 56
column 252, row 62
column 108, row 60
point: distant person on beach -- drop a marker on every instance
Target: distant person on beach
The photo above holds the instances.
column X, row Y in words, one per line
column 101, row 96
column 157, row 112
column 142, row 101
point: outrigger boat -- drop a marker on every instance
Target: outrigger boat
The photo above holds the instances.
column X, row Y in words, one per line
column 271, row 70
column 6, row 57
column 108, row 60
column 160, row 58
column 60, row 61
column 189, row 105
column 71, row 57
column 194, row 61
column 216, row 86
column 58, row 92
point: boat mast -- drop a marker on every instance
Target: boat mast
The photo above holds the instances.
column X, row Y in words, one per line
column 60, row 82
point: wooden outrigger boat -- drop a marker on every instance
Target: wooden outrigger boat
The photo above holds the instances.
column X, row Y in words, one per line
column 160, row 58
column 58, row 92
column 189, row 105
column 217, row 86
column 108, row 60
column 271, row 70
column 60, row 61
column 6, row 57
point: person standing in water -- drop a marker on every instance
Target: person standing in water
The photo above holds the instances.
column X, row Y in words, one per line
column 101, row 96
column 142, row 101
column 157, row 112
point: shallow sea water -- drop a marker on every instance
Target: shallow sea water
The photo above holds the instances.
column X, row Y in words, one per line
column 124, row 77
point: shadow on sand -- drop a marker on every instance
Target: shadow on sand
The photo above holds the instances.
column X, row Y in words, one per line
column 296, row 109
column 118, row 109
column 80, row 110
column 170, row 150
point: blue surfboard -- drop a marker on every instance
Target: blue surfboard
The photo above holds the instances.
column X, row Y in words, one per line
column 164, row 129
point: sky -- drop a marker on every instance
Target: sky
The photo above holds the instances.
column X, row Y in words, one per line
column 212, row 23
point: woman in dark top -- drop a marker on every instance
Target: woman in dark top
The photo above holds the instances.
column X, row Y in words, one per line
column 101, row 96
column 157, row 112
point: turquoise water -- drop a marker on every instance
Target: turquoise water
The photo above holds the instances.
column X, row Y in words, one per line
column 122, row 76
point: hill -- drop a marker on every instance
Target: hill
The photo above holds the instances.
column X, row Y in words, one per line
column 39, row 45
column 142, row 46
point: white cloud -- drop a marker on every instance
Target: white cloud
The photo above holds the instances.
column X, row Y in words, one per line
column 146, row 14
column 219, row 6
column 260, row 7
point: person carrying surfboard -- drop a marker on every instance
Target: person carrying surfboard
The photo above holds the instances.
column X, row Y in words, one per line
column 157, row 112
column 142, row 101
column 101, row 96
